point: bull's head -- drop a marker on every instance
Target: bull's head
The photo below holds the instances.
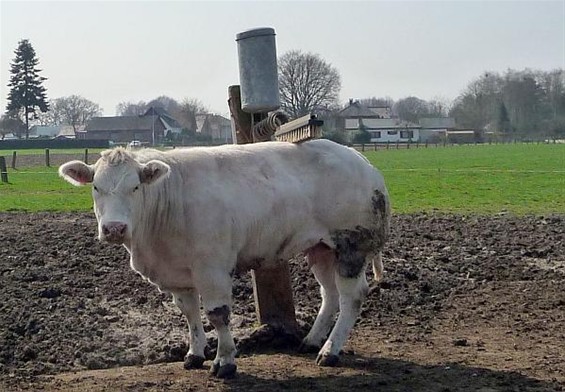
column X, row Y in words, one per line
column 117, row 180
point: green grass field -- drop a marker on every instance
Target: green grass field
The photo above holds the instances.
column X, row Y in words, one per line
column 485, row 179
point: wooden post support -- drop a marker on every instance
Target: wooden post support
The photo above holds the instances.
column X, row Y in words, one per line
column 272, row 287
column 3, row 170
column 14, row 160
column 273, row 298
column 86, row 156
column 242, row 120
column 47, row 163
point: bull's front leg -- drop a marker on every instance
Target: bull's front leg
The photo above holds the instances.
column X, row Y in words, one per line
column 215, row 287
column 189, row 304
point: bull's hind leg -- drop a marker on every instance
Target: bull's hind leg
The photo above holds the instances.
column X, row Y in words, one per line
column 215, row 288
column 189, row 303
column 352, row 287
column 322, row 261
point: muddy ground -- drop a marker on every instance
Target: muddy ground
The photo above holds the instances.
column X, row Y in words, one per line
column 466, row 304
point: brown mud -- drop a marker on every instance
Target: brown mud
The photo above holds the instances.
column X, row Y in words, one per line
column 466, row 304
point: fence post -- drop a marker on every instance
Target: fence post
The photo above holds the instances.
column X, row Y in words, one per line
column 86, row 156
column 362, row 147
column 14, row 160
column 47, row 163
column 3, row 170
column 375, row 146
column 272, row 287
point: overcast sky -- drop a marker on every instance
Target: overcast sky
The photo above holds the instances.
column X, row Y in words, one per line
column 111, row 52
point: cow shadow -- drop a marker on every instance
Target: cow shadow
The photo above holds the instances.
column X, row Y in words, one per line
column 359, row 373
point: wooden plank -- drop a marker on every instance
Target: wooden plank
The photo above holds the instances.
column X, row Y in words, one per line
column 242, row 120
column 3, row 170
column 274, row 302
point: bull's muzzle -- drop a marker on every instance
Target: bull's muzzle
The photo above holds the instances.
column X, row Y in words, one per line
column 114, row 232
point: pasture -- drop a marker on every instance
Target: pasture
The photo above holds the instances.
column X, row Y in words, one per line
column 484, row 179
column 471, row 300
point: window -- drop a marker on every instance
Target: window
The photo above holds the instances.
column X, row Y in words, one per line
column 406, row 134
column 375, row 135
column 392, row 132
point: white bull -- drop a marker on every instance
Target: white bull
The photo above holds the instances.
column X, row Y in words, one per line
column 190, row 217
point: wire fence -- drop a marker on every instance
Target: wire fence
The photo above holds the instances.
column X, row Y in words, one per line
column 376, row 146
column 9, row 165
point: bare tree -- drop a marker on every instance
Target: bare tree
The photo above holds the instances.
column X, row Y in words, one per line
column 374, row 102
column 307, row 83
column 73, row 110
column 186, row 114
column 131, row 108
column 411, row 109
column 164, row 102
column 439, row 106
column 11, row 123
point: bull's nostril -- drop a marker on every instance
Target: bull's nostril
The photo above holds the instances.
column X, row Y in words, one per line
column 114, row 230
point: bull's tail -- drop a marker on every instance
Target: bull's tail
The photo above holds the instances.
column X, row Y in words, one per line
column 378, row 266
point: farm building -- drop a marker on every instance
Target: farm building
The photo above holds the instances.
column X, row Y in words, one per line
column 150, row 128
column 43, row 131
column 436, row 129
column 383, row 127
column 54, row 131
column 214, row 125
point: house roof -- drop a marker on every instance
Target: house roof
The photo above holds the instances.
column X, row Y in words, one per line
column 212, row 121
column 68, row 130
column 437, row 122
column 355, row 109
column 158, row 111
column 121, row 123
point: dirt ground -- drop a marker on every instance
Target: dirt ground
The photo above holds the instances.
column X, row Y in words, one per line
column 466, row 304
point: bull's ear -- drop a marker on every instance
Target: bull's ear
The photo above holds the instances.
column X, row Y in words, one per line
column 77, row 172
column 153, row 172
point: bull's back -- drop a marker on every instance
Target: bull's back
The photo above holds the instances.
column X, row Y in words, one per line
column 260, row 192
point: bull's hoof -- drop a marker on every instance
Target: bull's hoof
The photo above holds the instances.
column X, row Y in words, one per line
column 306, row 348
column 225, row 371
column 193, row 362
column 327, row 360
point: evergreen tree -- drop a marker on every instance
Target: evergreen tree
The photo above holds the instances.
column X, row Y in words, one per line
column 27, row 93
column 503, row 121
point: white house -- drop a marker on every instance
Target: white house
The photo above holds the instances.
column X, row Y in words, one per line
column 378, row 122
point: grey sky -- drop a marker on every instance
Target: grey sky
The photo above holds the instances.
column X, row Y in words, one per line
column 110, row 52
